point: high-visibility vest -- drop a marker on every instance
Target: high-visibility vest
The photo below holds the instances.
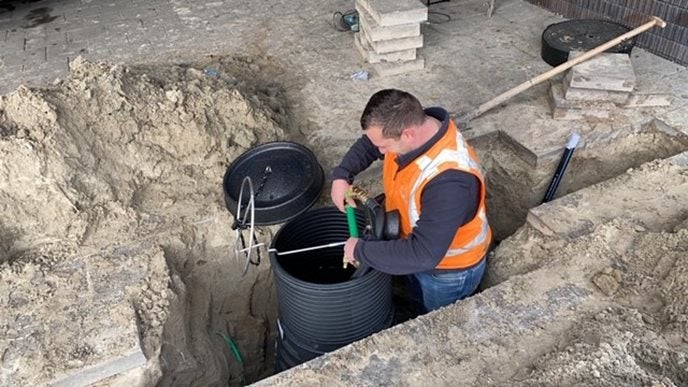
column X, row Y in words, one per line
column 403, row 189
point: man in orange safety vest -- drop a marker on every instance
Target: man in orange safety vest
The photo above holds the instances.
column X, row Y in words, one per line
column 432, row 177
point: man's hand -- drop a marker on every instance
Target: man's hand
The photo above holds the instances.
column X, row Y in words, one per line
column 349, row 247
column 338, row 194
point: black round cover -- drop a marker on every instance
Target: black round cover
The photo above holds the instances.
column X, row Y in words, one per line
column 580, row 35
column 286, row 176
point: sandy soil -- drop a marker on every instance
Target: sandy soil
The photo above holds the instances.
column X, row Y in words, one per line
column 124, row 165
column 641, row 339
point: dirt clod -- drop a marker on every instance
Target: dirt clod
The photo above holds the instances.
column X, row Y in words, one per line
column 608, row 280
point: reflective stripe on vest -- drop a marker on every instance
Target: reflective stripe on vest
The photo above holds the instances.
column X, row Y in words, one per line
column 477, row 241
column 430, row 168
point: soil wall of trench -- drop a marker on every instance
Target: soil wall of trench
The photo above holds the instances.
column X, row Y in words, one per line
column 115, row 242
column 515, row 185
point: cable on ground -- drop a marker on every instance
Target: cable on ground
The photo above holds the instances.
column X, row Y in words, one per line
column 235, row 351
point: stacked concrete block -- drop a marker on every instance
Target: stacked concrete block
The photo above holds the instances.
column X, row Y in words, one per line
column 599, row 85
column 593, row 88
column 389, row 34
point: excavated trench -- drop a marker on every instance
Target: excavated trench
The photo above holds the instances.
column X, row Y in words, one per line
column 515, row 185
column 212, row 324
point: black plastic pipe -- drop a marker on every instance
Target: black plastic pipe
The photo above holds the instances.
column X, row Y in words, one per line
column 320, row 306
column 563, row 164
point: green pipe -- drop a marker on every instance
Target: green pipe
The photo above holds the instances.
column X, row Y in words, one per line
column 233, row 347
column 351, row 219
column 237, row 354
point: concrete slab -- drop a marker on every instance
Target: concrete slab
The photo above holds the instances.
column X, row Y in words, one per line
column 521, row 151
column 680, row 159
column 557, row 95
column 135, row 359
column 377, row 32
column 392, row 12
column 576, row 94
column 606, row 71
column 647, row 100
column 564, row 109
column 371, row 56
column 573, row 114
column 392, row 45
column 386, row 69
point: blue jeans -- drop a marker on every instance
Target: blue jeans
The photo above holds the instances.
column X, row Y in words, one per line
column 434, row 290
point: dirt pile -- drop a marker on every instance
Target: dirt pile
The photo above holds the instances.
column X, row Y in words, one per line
column 643, row 337
column 66, row 312
column 113, row 148
column 124, row 166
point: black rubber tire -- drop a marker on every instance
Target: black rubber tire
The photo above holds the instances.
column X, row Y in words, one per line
column 580, row 35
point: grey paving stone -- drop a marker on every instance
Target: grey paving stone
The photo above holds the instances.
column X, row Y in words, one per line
column 135, row 359
column 14, row 42
column 371, row 56
column 559, row 113
column 35, row 56
column 576, row 94
column 519, row 149
column 387, row 46
column 564, row 109
column 377, row 32
column 647, row 100
column 86, row 12
column 680, row 159
column 386, row 69
column 606, row 71
column 395, row 12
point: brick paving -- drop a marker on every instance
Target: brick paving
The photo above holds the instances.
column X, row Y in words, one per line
column 38, row 39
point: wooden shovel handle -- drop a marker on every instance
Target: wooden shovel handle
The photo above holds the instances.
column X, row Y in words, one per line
column 559, row 69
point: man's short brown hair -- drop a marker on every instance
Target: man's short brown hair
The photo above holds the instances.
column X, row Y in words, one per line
column 393, row 110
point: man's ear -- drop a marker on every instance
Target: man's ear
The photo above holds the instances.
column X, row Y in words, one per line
column 408, row 134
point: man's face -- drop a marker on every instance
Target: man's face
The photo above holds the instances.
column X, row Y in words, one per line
column 386, row 144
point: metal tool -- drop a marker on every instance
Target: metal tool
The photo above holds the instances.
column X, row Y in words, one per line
column 334, row 244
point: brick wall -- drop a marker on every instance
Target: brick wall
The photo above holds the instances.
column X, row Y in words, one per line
column 670, row 42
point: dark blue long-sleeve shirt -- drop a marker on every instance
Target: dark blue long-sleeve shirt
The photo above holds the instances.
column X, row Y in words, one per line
column 448, row 201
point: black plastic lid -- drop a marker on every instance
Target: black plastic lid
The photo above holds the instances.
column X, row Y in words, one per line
column 580, row 35
column 287, row 180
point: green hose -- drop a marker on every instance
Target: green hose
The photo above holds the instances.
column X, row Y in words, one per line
column 235, row 351
column 351, row 219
